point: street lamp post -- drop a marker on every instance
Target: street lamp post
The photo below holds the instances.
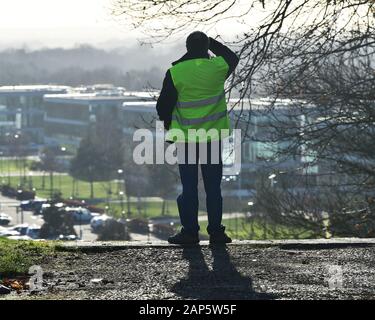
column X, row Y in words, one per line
column 9, row 172
column 8, row 142
column 80, row 225
column 63, row 149
column 120, row 172
column 30, row 181
column 272, row 178
column 149, row 229
column 16, row 137
column 73, row 188
column 80, row 220
column 121, row 193
column 1, row 162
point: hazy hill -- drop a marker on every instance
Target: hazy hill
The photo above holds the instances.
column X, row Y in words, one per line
column 134, row 67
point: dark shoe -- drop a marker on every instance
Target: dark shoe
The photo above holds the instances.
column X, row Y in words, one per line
column 219, row 238
column 184, row 238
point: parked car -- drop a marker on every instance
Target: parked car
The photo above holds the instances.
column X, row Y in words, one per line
column 32, row 205
column 4, row 219
column 138, row 225
column 8, row 191
column 71, row 237
column 33, row 232
column 81, row 215
column 48, row 205
column 25, row 195
column 96, row 209
column 163, row 231
column 21, row 228
column 8, row 232
column 19, row 238
column 98, row 222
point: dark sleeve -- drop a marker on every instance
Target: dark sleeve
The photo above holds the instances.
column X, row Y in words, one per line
column 229, row 56
column 167, row 100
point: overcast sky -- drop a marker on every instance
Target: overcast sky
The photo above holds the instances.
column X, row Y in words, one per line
column 59, row 23
column 63, row 23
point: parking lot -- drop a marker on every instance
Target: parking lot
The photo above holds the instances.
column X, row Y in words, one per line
column 9, row 206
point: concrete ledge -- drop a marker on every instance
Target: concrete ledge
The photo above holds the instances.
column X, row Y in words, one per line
column 257, row 270
column 96, row 246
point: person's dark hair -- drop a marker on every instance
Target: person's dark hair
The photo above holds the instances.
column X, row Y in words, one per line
column 197, row 42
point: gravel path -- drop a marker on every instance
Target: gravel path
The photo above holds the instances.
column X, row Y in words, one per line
column 234, row 272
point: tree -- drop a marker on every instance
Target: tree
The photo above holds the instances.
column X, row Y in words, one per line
column 165, row 176
column 56, row 223
column 109, row 141
column 113, row 230
column 86, row 164
column 100, row 153
column 49, row 164
column 81, row 65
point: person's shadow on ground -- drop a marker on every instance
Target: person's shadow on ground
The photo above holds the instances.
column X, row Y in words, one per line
column 222, row 282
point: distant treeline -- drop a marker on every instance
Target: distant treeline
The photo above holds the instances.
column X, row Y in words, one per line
column 85, row 65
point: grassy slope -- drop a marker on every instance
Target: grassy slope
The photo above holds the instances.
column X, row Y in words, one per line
column 16, row 257
column 244, row 229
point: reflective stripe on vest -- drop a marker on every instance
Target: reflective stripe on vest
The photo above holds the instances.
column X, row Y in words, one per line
column 200, row 103
column 190, row 122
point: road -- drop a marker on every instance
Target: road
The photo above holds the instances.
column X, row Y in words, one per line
column 9, row 206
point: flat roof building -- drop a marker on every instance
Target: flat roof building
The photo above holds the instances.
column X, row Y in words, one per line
column 22, row 110
column 68, row 116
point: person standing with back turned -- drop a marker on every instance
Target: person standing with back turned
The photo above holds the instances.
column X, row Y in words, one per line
column 193, row 97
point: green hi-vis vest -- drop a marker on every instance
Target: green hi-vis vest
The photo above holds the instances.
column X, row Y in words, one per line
column 201, row 100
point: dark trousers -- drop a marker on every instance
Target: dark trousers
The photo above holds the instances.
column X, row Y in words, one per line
column 212, row 171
